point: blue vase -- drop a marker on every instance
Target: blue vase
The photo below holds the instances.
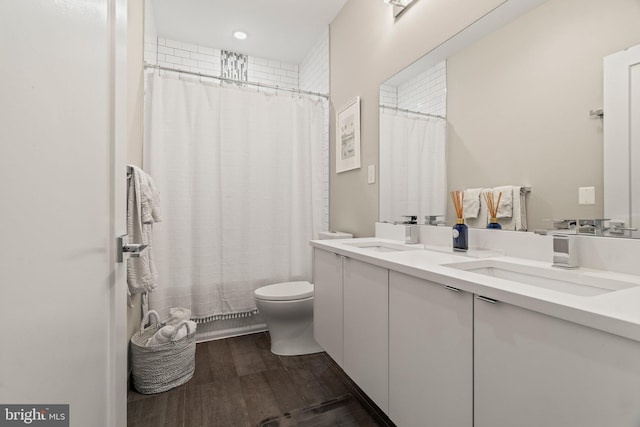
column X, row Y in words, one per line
column 460, row 236
column 493, row 223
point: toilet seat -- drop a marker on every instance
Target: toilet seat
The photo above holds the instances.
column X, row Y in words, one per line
column 286, row 291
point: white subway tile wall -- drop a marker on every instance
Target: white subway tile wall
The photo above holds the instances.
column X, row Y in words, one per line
column 314, row 77
column 311, row 75
column 207, row 60
column 273, row 73
column 182, row 56
column 427, row 92
column 314, row 69
column 388, row 96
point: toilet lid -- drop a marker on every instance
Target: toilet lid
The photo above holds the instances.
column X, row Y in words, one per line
column 286, row 291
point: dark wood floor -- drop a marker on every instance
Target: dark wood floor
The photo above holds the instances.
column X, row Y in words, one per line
column 239, row 382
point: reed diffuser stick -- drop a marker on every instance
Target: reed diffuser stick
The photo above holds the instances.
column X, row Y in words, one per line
column 457, row 197
column 493, row 208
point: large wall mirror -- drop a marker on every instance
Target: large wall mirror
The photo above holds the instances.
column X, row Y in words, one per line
column 512, row 100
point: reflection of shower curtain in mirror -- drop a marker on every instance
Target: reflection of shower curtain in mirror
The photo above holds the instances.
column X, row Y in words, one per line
column 240, row 180
column 413, row 175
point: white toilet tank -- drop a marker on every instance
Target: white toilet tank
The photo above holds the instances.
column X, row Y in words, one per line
column 325, row 235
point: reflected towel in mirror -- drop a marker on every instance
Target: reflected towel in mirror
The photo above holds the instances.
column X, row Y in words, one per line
column 471, row 203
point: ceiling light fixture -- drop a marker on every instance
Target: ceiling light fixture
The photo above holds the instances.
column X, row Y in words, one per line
column 399, row 6
column 401, row 3
column 240, row 35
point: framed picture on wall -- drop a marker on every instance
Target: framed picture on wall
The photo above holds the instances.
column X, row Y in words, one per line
column 348, row 136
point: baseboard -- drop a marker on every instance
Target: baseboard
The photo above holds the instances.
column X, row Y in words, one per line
column 229, row 333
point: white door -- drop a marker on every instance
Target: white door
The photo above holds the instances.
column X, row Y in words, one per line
column 622, row 136
column 62, row 193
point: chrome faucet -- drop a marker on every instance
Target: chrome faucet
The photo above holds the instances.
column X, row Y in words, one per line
column 433, row 219
column 410, row 219
column 411, row 233
column 618, row 228
column 595, row 227
column 565, row 251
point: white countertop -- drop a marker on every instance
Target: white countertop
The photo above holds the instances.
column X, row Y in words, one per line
column 616, row 312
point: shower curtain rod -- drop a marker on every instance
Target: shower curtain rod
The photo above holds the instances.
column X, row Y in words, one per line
column 240, row 82
column 404, row 110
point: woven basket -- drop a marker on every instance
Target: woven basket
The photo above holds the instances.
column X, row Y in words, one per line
column 161, row 367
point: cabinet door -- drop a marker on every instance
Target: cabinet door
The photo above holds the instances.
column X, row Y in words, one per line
column 430, row 353
column 327, row 303
column 366, row 328
column 533, row 370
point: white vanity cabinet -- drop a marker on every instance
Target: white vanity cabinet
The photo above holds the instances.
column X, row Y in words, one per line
column 533, row 370
column 327, row 303
column 430, row 353
column 366, row 328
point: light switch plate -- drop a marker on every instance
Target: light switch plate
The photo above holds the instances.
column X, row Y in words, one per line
column 587, row 195
column 371, row 174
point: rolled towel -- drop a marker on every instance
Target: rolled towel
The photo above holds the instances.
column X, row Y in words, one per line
column 171, row 333
column 186, row 328
column 177, row 315
column 191, row 327
column 471, row 203
column 162, row 336
column 182, row 332
column 505, row 209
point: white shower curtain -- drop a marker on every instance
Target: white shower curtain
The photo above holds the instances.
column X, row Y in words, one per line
column 412, row 166
column 240, row 180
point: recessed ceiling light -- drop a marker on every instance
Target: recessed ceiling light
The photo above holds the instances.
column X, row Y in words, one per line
column 240, row 35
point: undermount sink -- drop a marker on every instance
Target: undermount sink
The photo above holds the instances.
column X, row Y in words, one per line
column 382, row 246
column 574, row 282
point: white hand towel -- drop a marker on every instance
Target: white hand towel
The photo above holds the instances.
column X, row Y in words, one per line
column 482, row 218
column 142, row 211
column 471, row 203
column 518, row 220
column 505, row 208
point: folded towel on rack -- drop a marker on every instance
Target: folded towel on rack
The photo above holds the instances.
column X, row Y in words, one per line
column 518, row 219
column 482, row 218
column 471, row 203
column 505, row 208
column 143, row 209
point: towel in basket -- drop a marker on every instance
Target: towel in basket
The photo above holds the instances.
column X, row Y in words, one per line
column 158, row 368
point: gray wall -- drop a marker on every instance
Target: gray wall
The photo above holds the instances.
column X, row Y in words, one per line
column 518, row 104
column 367, row 47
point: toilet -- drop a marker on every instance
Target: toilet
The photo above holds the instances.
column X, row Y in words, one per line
column 287, row 309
